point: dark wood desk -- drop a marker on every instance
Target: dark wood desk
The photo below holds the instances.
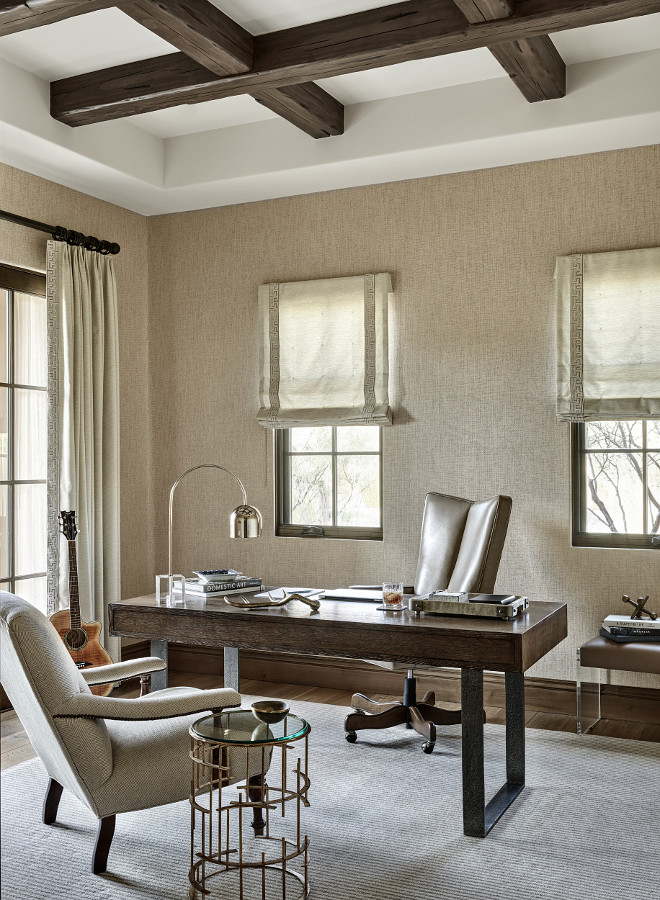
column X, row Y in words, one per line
column 361, row 631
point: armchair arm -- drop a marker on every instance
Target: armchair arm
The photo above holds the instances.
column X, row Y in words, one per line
column 122, row 670
column 161, row 705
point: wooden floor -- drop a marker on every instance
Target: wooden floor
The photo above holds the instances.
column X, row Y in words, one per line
column 16, row 747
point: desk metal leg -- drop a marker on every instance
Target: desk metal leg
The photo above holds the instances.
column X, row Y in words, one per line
column 232, row 668
column 159, row 679
column 479, row 816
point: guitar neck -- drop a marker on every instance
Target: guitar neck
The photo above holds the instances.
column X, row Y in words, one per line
column 74, row 599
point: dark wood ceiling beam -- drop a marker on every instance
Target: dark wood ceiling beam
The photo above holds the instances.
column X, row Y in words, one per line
column 200, row 30
column 486, row 10
column 33, row 13
column 307, row 106
column 533, row 64
column 208, row 36
column 416, row 29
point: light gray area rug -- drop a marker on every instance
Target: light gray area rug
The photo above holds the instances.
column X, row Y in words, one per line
column 385, row 824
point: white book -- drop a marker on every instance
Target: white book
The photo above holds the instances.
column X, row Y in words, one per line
column 191, row 592
column 627, row 622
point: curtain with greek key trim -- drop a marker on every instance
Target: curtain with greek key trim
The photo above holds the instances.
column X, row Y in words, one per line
column 83, row 469
column 608, row 335
column 323, row 352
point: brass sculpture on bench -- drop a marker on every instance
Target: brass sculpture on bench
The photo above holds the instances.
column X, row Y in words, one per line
column 460, row 550
column 639, row 605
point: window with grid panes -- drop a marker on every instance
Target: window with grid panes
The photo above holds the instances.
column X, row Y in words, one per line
column 329, row 482
column 23, row 435
column 616, row 484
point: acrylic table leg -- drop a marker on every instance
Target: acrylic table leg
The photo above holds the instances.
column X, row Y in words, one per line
column 159, row 679
column 232, row 668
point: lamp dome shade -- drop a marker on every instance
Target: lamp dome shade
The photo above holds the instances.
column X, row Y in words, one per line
column 245, row 522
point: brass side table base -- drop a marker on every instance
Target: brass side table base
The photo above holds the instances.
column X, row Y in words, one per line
column 238, row 828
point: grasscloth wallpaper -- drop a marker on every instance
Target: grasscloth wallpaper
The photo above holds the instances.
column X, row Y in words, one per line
column 472, row 365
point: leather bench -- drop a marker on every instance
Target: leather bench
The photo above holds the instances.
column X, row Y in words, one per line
column 601, row 653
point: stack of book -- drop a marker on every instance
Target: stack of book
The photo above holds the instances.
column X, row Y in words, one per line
column 623, row 629
column 215, row 583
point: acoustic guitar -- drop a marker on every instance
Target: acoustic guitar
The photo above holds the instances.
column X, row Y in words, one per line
column 80, row 638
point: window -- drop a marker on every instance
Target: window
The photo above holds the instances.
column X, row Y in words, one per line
column 329, row 482
column 23, row 435
column 616, row 484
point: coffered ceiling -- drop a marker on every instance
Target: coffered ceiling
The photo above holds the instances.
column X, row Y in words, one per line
column 168, row 106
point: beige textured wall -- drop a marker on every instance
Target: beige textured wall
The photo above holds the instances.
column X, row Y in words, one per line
column 45, row 201
column 472, row 257
column 472, row 338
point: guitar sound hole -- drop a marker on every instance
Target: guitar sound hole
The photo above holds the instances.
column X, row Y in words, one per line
column 76, row 638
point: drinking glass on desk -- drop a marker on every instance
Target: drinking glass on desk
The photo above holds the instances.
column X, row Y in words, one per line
column 393, row 595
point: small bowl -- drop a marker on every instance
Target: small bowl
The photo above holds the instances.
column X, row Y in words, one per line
column 270, row 711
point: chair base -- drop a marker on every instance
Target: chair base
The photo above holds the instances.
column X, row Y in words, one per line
column 103, row 837
column 423, row 716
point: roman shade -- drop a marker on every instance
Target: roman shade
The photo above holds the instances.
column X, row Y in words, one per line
column 323, row 352
column 608, row 335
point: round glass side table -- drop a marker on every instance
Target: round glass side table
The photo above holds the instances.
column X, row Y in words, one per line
column 244, row 768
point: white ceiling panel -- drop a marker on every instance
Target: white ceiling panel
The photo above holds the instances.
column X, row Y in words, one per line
column 413, row 77
column 609, row 39
column 96, row 40
column 191, row 118
column 261, row 16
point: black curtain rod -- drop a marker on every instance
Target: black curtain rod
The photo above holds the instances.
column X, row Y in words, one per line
column 75, row 238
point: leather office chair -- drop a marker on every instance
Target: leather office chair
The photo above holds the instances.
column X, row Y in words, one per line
column 460, row 550
column 115, row 755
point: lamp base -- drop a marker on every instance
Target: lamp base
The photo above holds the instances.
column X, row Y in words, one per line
column 171, row 580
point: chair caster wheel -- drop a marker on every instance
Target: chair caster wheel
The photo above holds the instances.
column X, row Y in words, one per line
column 351, row 737
column 427, row 747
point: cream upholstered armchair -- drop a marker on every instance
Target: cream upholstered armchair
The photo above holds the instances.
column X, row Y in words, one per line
column 460, row 550
column 115, row 755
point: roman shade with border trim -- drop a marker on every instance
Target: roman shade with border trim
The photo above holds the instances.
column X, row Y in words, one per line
column 608, row 335
column 323, row 352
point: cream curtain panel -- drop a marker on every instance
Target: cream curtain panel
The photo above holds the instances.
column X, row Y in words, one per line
column 84, row 428
column 323, row 352
column 608, row 335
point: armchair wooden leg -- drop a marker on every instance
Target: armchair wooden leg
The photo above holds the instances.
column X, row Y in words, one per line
column 52, row 801
column 102, row 847
column 145, row 684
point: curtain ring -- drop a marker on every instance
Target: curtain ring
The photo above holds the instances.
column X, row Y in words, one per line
column 75, row 238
